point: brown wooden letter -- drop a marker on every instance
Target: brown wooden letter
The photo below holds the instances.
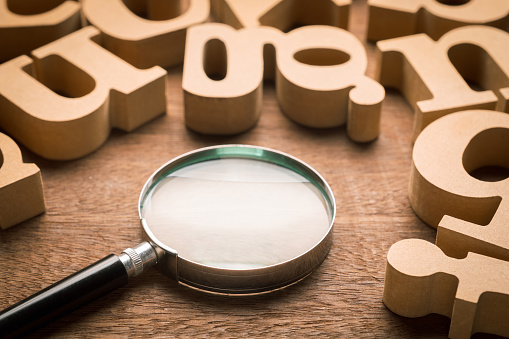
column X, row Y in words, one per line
column 21, row 191
column 420, row 279
column 395, row 18
column 158, row 39
column 63, row 103
column 28, row 24
column 321, row 81
column 282, row 14
column 434, row 76
column 472, row 214
column 223, row 75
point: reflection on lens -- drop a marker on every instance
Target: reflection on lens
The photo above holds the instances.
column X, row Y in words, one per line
column 236, row 213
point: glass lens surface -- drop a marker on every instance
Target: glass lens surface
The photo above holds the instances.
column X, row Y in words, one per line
column 235, row 213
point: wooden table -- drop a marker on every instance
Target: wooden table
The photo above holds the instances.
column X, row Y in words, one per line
column 92, row 211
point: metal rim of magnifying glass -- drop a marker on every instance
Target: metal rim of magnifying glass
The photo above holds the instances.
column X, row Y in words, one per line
column 240, row 281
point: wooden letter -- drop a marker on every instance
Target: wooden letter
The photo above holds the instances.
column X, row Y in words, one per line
column 321, row 81
column 21, row 192
column 28, row 24
column 145, row 43
column 231, row 105
column 473, row 291
column 395, row 18
column 444, row 192
column 282, row 14
column 319, row 76
column 424, row 71
column 97, row 91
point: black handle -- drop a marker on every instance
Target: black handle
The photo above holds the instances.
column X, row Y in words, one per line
column 63, row 297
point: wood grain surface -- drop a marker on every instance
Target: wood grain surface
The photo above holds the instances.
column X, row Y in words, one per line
column 92, row 211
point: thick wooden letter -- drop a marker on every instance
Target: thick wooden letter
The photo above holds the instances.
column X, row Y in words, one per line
column 282, row 14
column 444, row 192
column 320, row 79
column 449, row 190
column 395, row 18
column 28, row 24
column 424, row 71
column 145, row 43
column 473, row 292
column 231, row 105
column 98, row 91
column 21, row 192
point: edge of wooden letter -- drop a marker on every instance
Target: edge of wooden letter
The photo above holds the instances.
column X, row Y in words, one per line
column 20, row 34
column 233, row 104
column 142, row 42
column 21, row 190
column 421, row 69
column 412, row 272
column 420, row 279
column 395, row 18
column 59, row 127
column 327, row 89
column 470, row 213
column 281, row 14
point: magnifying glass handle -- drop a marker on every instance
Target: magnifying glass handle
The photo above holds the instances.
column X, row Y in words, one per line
column 73, row 292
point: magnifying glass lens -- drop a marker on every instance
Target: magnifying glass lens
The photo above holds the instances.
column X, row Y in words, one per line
column 236, row 213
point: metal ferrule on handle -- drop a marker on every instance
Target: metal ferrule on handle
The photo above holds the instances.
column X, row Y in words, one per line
column 138, row 259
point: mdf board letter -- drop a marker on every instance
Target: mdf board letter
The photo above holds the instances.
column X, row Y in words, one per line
column 158, row 39
column 420, row 279
column 284, row 15
column 434, row 76
column 464, row 276
column 21, row 190
column 62, row 103
column 471, row 213
column 28, row 24
column 395, row 18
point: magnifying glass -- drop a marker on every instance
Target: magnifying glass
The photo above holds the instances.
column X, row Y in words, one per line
column 232, row 219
